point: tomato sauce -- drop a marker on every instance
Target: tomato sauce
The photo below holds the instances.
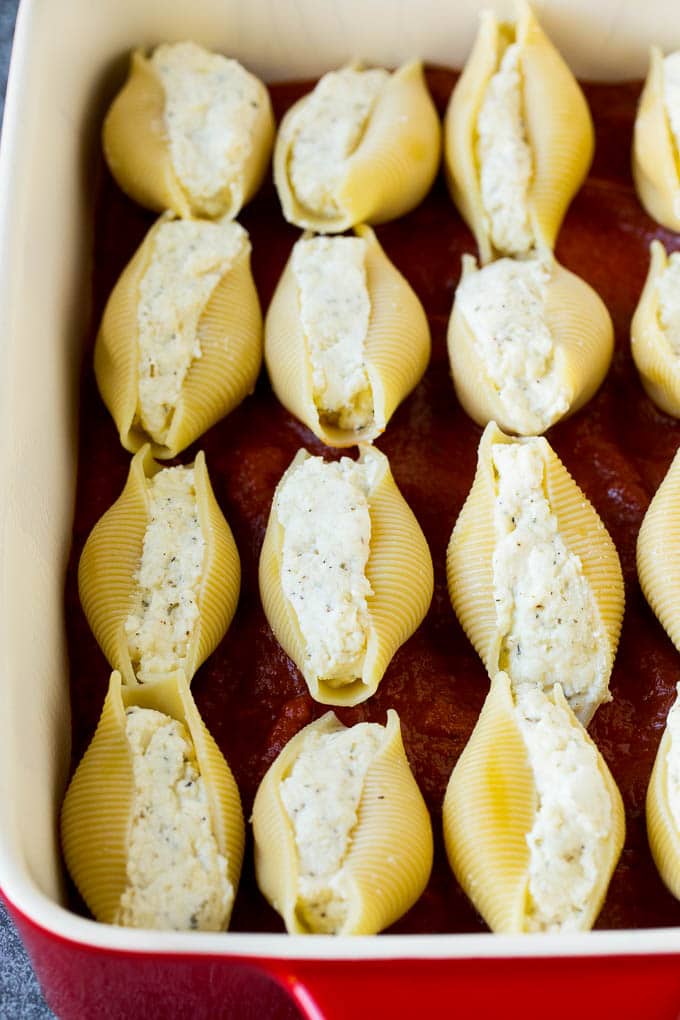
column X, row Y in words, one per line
column 618, row 448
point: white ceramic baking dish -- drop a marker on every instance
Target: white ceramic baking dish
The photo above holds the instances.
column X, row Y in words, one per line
column 68, row 56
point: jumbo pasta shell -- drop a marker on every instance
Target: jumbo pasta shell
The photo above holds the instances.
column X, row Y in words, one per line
column 583, row 336
column 662, row 832
column 655, row 166
column 137, row 149
column 111, row 559
column 489, row 808
column 97, row 809
column 400, row 573
column 469, row 559
column 392, row 168
column 654, row 359
column 389, row 859
column 658, row 552
column 557, row 120
column 230, row 335
column 397, row 347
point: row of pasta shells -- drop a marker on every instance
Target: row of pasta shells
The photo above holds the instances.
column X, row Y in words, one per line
column 160, row 393
column 382, row 154
column 385, row 853
column 658, row 565
column 536, row 583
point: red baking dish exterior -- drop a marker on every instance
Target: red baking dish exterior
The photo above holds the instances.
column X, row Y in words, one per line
column 68, row 56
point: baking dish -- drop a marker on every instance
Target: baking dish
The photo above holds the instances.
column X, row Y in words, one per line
column 56, row 98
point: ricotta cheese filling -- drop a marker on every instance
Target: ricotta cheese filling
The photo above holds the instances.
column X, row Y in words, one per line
column 504, row 159
column 165, row 607
column 176, row 876
column 335, row 309
column 544, row 606
column 323, row 510
column 568, row 840
column 668, row 294
column 504, row 306
column 211, row 108
column 188, row 260
column 673, row 761
column 321, row 796
column 327, row 128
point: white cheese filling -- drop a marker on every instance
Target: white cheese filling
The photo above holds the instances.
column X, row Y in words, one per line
column 504, row 306
column 177, row 878
column 327, row 128
column 321, row 796
column 165, row 609
column 668, row 294
column 188, row 260
column 569, row 837
column 673, row 761
column 211, row 107
column 335, row 309
column 544, row 605
column 505, row 159
column 323, row 509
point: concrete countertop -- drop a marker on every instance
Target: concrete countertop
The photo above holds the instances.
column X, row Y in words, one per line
column 20, row 995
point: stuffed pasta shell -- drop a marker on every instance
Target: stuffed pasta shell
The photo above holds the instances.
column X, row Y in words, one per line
column 663, row 803
column 533, row 821
column 190, row 131
column 346, row 338
column 345, row 572
column 658, row 553
column 533, row 576
column 518, row 138
column 655, row 331
column 362, row 147
column 159, row 575
column 343, row 840
column 180, row 342
column 656, row 140
column 151, row 826
column 529, row 342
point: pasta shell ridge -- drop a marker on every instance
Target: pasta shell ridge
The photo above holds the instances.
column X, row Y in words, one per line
column 489, row 808
column 658, row 367
column 221, row 580
column 96, row 813
column 585, row 535
column 392, row 843
column 401, row 574
column 115, row 353
column 230, row 334
column 469, row 568
column 398, row 338
column 460, row 126
column 579, row 320
column 559, row 128
column 663, row 836
column 658, row 553
column 395, row 164
column 136, row 143
column 655, row 165
column 110, row 560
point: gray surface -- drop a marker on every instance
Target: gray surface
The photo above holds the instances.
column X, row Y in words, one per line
column 20, row 995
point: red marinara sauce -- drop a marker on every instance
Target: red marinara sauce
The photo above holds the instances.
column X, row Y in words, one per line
column 618, row 448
